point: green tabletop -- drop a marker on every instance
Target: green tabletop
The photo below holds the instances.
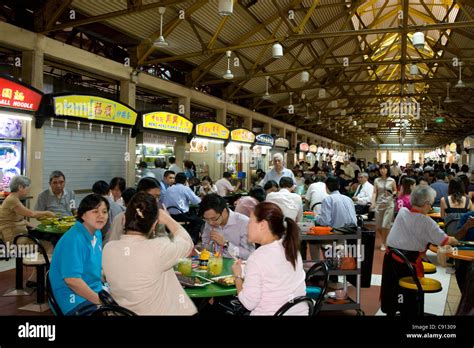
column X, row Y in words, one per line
column 49, row 229
column 214, row 289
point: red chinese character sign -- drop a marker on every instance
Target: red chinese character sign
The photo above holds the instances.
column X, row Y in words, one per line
column 16, row 95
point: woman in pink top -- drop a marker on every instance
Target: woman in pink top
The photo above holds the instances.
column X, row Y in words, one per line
column 246, row 205
column 274, row 272
column 408, row 184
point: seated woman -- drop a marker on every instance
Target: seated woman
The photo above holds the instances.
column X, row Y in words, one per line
column 274, row 272
column 207, row 186
column 246, row 205
column 411, row 233
column 117, row 186
column 75, row 271
column 139, row 268
column 13, row 212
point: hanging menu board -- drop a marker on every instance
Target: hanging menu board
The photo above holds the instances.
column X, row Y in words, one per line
column 242, row 135
column 264, row 140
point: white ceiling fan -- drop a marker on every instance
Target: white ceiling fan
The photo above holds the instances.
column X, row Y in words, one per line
column 448, row 99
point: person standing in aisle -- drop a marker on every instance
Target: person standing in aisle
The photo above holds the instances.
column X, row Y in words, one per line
column 383, row 201
column 173, row 166
column 278, row 170
column 188, row 169
column 159, row 170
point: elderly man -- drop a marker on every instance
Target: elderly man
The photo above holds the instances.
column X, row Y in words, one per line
column 363, row 194
column 411, row 233
column 224, row 227
column 336, row 210
column 278, row 170
column 57, row 198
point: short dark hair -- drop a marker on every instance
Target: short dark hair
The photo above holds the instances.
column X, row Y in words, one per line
column 227, row 175
column 441, row 176
column 180, row 178
column 207, row 178
column 141, row 213
column 352, row 159
column 332, row 184
column 172, row 160
column 127, row 194
column 286, row 182
column 56, row 174
column 167, row 173
column 147, row 183
column 258, row 193
column 101, row 188
column 269, row 184
column 158, row 162
column 142, row 164
column 90, row 202
column 212, row 201
column 118, row 181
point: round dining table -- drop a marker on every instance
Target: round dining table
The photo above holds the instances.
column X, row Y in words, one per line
column 213, row 289
column 460, row 253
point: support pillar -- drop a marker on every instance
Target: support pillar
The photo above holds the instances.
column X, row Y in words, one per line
column 127, row 95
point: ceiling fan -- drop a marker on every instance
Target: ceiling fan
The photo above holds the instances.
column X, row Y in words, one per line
column 448, row 99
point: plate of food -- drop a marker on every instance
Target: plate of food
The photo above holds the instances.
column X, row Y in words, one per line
column 191, row 282
column 228, row 280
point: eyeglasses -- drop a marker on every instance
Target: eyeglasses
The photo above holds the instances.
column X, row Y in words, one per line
column 213, row 219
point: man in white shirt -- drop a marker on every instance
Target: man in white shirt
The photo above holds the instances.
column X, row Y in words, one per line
column 316, row 193
column 224, row 187
column 395, row 170
column 353, row 164
column 363, row 194
column 348, row 170
column 290, row 203
column 173, row 166
column 278, row 171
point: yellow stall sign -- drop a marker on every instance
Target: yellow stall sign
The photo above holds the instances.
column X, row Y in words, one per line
column 242, row 135
column 167, row 122
column 94, row 108
column 212, row 130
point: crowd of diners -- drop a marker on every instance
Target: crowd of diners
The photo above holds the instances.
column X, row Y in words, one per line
column 128, row 239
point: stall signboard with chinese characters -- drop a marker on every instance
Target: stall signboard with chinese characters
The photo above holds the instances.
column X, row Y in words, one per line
column 212, row 130
column 313, row 149
column 15, row 95
column 303, row 147
column 242, row 135
column 167, row 122
column 282, row 142
column 264, row 140
column 94, row 108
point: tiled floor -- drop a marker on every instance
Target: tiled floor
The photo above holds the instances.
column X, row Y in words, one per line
column 454, row 297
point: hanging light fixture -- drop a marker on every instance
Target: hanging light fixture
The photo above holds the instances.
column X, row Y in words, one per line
column 161, row 42
column 448, row 98
column 319, row 118
column 228, row 74
column 277, row 50
column 414, row 69
column 335, row 128
column 226, row 7
column 266, row 95
column 304, row 76
column 307, row 112
column 419, row 40
column 411, row 88
column 460, row 83
column 322, row 93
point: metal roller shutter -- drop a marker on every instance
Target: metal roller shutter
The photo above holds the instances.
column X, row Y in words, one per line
column 83, row 156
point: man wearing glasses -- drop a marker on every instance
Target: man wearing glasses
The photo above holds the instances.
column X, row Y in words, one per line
column 363, row 194
column 224, row 227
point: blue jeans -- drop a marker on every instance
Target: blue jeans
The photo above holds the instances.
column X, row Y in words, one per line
column 86, row 308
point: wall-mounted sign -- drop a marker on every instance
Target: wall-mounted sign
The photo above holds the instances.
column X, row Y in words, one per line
column 167, row 122
column 264, row 140
column 303, row 147
column 282, row 142
column 94, row 108
column 313, row 149
column 15, row 95
column 242, row 135
column 199, row 146
column 212, row 130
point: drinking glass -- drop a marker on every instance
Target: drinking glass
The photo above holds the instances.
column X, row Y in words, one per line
column 215, row 265
column 185, row 267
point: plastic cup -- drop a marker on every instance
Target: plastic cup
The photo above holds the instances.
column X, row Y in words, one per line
column 185, row 267
column 215, row 265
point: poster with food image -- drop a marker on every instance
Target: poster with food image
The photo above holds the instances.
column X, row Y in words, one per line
column 10, row 161
column 200, row 146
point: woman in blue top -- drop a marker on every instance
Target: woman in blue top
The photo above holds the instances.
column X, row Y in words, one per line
column 76, row 266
